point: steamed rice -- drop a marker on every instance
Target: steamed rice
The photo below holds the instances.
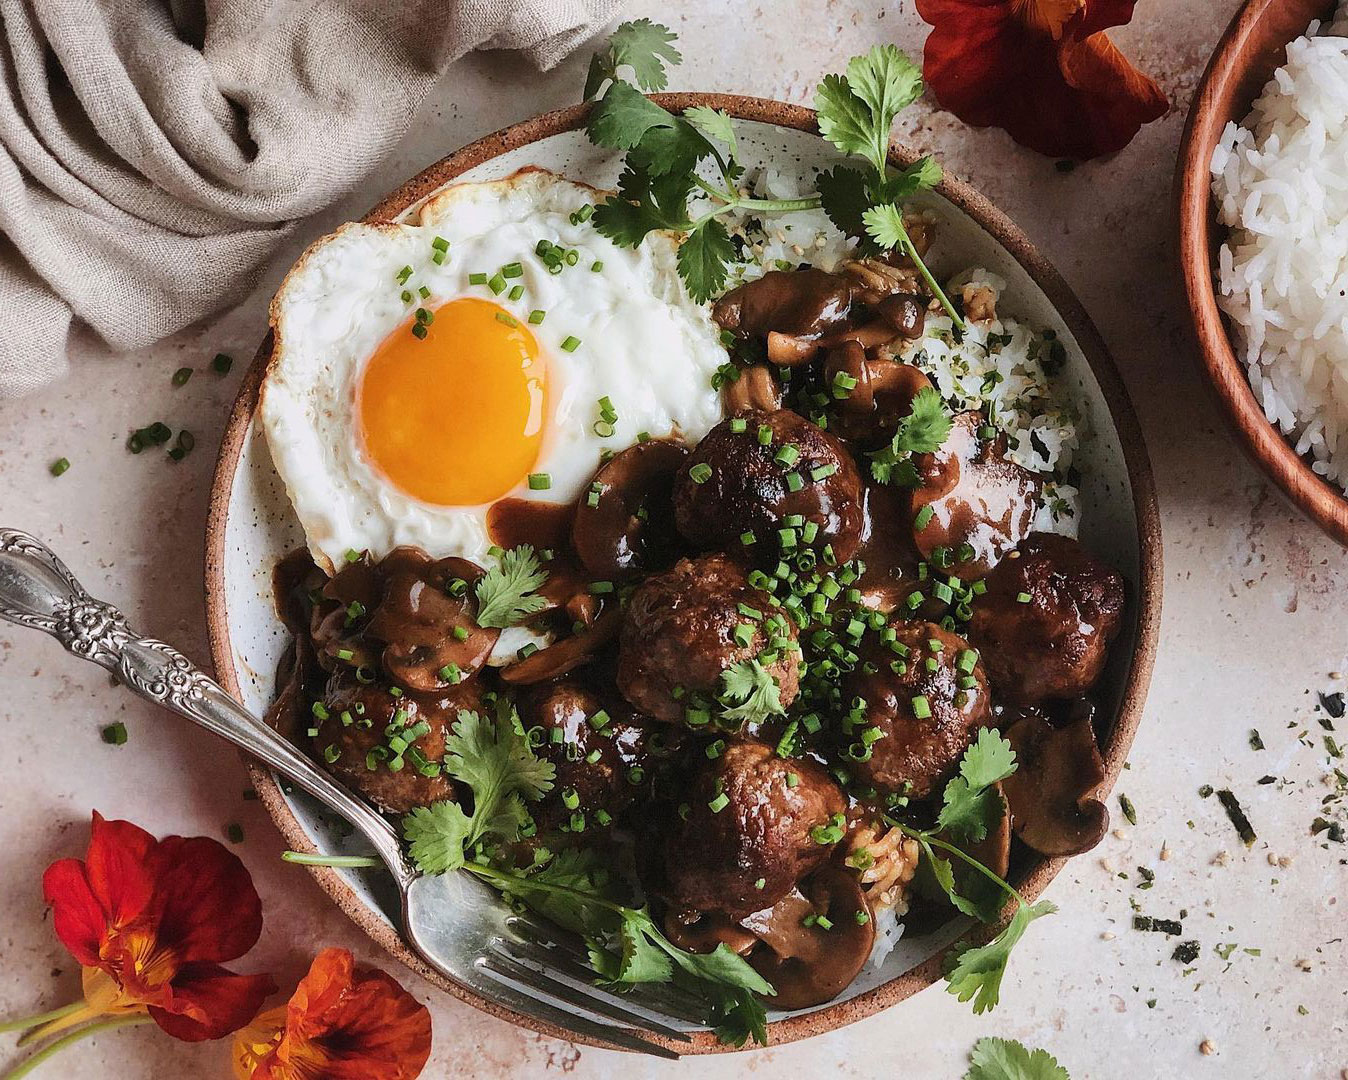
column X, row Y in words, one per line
column 1281, row 185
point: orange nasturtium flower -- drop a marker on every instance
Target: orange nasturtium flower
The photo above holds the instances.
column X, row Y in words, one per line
column 1044, row 70
column 342, row 1023
column 151, row 921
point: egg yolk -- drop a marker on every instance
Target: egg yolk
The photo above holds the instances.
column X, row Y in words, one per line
column 456, row 417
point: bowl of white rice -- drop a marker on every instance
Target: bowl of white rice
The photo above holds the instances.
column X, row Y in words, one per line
column 1263, row 215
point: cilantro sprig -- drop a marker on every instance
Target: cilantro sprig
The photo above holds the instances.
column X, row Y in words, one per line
column 923, row 431
column 492, row 756
column 506, row 594
column 669, row 156
column 970, row 809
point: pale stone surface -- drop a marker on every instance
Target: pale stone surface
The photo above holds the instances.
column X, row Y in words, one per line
column 1252, row 625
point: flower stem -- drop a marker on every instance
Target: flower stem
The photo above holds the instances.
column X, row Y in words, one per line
column 26, row 1022
column 354, row 861
column 50, row 1051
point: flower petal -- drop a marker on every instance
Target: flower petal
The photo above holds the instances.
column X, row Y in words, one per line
column 345, row 1023
column 208, row 910
column 110, row 887
column 207, row 1002
column 1065, row 93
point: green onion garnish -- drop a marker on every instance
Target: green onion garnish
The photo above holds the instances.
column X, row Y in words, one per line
column 59, row 466
column 539, row 481
column 571, row 344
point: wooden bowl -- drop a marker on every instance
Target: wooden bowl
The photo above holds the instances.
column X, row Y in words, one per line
column 251, row 523
column 1253, row 47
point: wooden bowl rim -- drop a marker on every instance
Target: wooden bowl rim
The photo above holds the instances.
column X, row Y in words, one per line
column 1216, row 102
column 992, row 220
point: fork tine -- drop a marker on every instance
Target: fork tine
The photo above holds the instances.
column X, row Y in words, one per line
column 504, row 990
column 561, row 940
column 588, row 998
column 657, row 998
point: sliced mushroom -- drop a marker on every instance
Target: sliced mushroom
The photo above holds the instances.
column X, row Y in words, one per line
column 875, row 278
column 566, row 654
column 905, row 312
column 756, row 388
column 1052, row 792
column 803, row 304
column 981, row 503
column 425, row 619
column 811, row 964
column 881, row 394
column 628, row 527
column 703, row 931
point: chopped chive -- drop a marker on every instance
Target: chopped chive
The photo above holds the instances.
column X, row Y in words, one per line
column 424, row 292
column 823, row 472
column 477, row 279
column 512, row 270
column 440, row 244
column 181, row 376
column 1023, row 598
column 222, row 363
column 787, row 455
column 536, row 316
column 497, row 284
column 921, row 707
column 404, row 274
column 114, row 734
column 739, row 425
column 764, row 435
column 234, row 832
column 700, row 473
column 598, row 266
column 507, row 319
column 59, row 466
column 719, row 803
column 407, row 296
column 539, row 481
column 571, row 344
column 515, row 293
column 419, row 331
column 923, row 517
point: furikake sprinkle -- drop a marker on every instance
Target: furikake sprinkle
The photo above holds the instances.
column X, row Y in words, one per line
column 1237, row 815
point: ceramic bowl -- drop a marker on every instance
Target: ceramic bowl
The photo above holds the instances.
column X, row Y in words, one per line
column 251, row 525
column 1253, row 47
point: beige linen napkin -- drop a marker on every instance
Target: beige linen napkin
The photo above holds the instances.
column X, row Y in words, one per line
column 154, row 152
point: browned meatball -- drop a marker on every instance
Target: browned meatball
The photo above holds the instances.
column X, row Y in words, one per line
column 598, row 748
column 682, row 629
column 755, row 825
column 973, row 504
column 928, row 696
column 386, row 746
column 1047, row 619
column 737, row 484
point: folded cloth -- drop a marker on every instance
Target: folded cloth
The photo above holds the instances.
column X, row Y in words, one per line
column 153, row 153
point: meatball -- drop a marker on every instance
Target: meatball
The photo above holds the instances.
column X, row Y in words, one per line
column 755, row 825
column 389, row 746
column 682, row 629
column 927, row 694
column 1046, row 621
column 757, row 474
column 600, row 769
column 972, row 504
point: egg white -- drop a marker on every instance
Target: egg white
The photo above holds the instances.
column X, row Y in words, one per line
column 643, row 343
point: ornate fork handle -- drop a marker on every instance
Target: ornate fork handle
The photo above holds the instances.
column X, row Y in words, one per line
column 37, row 590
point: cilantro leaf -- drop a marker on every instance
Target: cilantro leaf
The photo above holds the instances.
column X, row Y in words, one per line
column 924, row 173
column 844, row 195
column 887, row 81
column 623, row 116
column 642, row 45
column 673, row 148
column 988, row 760
column 506, row 593
column 749, row 693
column 1006, row 1059
column 436, row 835
column 703, row 259
column 714, row 124
column 976, row 971
column 642, row 960
column 564, row 888
column 984, row 906
column 971, row 806
column 643, row 204
column 845, row 120
column 738, row 1016
column 926, row 427
column 493, row 757
column 884, row 225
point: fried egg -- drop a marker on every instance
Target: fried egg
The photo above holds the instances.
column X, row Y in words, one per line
column 423, row 371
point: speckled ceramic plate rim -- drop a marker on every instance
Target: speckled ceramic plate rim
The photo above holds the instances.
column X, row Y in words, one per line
column 994, row 222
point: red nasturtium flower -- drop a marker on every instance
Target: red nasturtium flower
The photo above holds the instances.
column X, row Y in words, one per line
column 151, row 921
column 1044, row 70
column 342, row 1023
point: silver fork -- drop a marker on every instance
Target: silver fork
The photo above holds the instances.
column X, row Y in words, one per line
column 460, row 926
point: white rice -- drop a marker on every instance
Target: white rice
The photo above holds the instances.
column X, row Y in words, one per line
column 1280, row 180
